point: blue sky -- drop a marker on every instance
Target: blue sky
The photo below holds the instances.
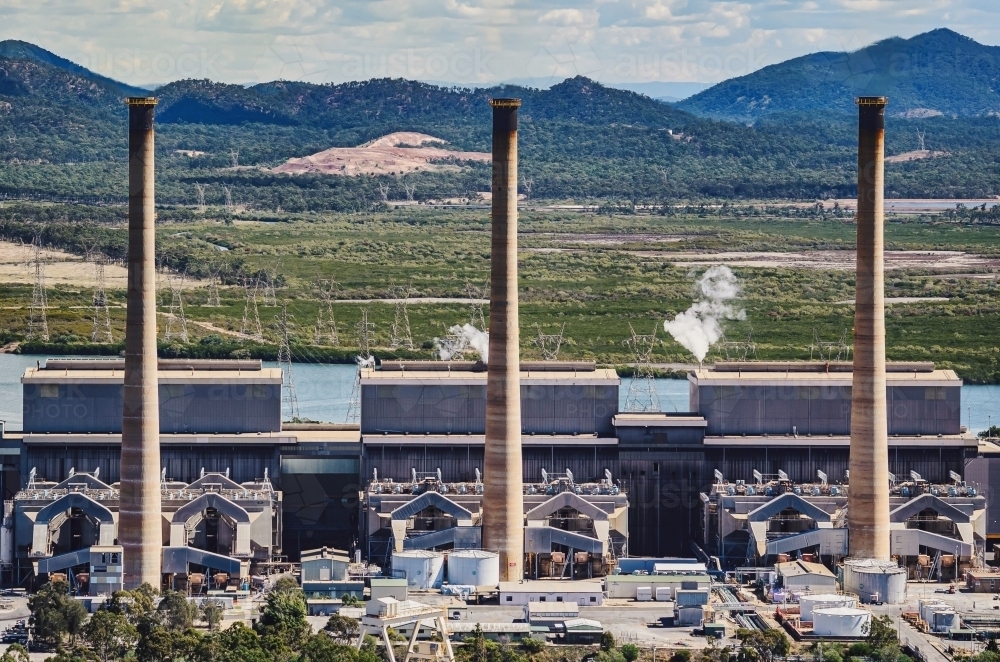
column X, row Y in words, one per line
column 539, row 42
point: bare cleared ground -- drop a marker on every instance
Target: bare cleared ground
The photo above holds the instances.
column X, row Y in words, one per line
column 952, row 261
column 915, row 155
column 61, row 269
column 393, row 154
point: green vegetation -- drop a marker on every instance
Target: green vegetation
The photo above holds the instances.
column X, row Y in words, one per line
column 595, row 273
column 62, row 136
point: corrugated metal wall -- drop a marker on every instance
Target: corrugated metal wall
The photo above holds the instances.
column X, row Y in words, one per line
column 459, row 409
column 202, row 408
column 756, row 410
column 184, row 463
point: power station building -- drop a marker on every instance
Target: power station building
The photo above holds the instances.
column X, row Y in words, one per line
column 422, row 432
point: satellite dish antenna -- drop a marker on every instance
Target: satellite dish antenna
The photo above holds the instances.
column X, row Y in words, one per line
column 375, row 474
column 955, row 476
column 97, row 472
column 719, row 478
column 782, row 475
column 479, row 476
column 607, row 474
column 413, row 473
column 72, row 471
column 822, row 477
column 545, row 475
column 757, row 476
column 915, row 477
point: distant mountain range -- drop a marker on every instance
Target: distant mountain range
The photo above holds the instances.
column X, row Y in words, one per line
column 936, row 73
column 62, row 136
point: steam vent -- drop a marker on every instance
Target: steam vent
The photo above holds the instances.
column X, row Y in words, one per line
column 140, row 531
column 868, row 504
column 502, row 484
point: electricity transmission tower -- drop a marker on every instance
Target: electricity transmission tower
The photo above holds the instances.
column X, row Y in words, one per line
column 364, row 360
column 477, row 295
column 269, row 297
column 920, row 139
column 176, row 326
column 38, row 323
column 830, row 351
column 549, row 344
column 409, row 188
column 326, row 325
column 228, row 190
column 234, row 158
column 285, row 362
column 214, row 276
column 642, row 394
column 200, row 190
column 401, row 336
column 735, row 350
column 250, row 329
column 102, row 317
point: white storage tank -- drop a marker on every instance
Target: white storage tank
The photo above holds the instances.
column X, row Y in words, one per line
column 927, row 608
column 945, row 620
column 841, row 622
column 643, row 593
column 807, row 603
column 663, row 593
column 875, row 581
column 473, row 567
column 422, row 568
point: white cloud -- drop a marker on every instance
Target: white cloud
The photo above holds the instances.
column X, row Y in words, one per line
column 468, row 41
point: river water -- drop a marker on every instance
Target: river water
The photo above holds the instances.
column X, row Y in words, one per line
column 323, row 392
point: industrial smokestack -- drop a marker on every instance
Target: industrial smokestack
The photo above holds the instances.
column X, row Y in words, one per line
column 139, row 524
column 503, row 511
column 868, row 500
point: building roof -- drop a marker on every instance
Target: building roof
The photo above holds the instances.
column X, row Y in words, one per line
column 325, row 553
column 800, row 568
column 502, row 628
column 480, row 440
column 637, row 419
column 599, row 376
column 550, row 587
column 657, row 579
column 387, row 582
column 117, row 376
column 794, row 377
column 553, row 608
column 583, row 624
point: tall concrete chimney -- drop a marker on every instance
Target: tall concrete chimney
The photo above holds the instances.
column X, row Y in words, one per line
column 503, row 510
column 139, row 526
column 868, row 500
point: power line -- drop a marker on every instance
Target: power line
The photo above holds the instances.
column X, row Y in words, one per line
column 326, row 325
column 250, row 329
column 477, row 295
column 364, row 360
column 176, row 326
column 401, row 336
column 549, row 344
column 38, row 323
column 642, row 394
column 102, row 317
column 285, row 362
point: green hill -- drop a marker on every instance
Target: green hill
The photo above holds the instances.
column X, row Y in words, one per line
column 937, row 73
column 63, row 137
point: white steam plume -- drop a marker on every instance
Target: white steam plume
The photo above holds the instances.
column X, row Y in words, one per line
column 698, row 327
column 460, row 339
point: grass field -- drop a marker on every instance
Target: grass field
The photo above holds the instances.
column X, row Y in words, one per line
column 594, row 273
